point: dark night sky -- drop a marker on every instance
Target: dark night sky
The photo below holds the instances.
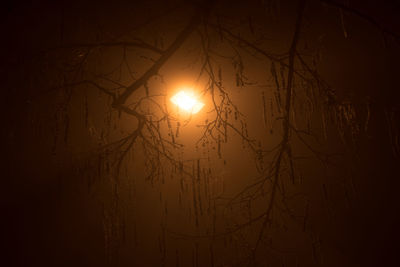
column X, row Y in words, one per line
column 61, row 203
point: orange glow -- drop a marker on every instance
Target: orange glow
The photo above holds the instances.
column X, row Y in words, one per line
column 187, row 100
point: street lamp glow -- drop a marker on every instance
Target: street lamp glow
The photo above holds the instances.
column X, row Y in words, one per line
column 187, row 101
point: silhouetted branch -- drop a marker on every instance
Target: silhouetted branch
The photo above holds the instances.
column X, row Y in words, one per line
column 169, row 52
column 364, row 16
column 285, row 124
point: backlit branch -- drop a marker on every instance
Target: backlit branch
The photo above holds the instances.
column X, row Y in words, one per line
column 363, row 16
column 169, row 52
column 285, row 125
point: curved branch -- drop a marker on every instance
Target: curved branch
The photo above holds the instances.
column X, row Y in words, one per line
column 363, row 16
column 285, row 123
column 182, row 37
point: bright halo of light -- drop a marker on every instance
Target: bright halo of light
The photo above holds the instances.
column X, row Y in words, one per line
column 187, row 101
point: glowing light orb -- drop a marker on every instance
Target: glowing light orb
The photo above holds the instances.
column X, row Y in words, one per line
column 187, row 100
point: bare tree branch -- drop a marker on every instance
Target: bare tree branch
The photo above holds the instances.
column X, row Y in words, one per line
column 190, row 27
column 364, row 16
column 285, row 124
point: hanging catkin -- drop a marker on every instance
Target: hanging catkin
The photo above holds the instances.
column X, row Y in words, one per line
column 199, row 186
column 264, row 110
column 219, row 146
column 196, row 215
column 86, row 111
column 178, row 124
